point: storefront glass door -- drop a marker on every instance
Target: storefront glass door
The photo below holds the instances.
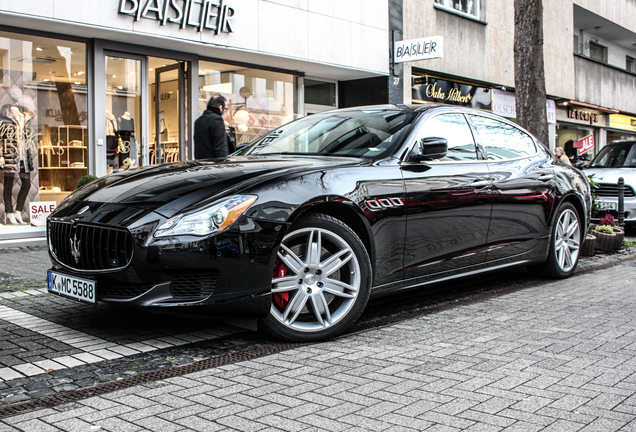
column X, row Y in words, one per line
column 167, row 106
column 123, row 113
column 145, row 111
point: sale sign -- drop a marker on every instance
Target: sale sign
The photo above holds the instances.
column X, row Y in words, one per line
column 40, row 210
column 584, row 144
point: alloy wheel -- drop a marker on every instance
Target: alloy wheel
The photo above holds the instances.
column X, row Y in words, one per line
column 567, row 240
column 316, row 280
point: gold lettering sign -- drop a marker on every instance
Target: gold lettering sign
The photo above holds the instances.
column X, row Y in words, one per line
column 583, row 116
column 454, row 94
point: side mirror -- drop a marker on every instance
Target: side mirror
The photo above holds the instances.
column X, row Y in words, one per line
column 430, row 148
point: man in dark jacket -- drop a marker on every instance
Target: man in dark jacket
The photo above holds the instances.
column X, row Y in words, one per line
column 210, row 138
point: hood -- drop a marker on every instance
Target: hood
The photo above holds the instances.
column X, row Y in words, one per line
column 169, row 189
column 611, row 175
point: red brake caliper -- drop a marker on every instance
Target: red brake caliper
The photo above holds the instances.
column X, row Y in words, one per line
column 280, row 270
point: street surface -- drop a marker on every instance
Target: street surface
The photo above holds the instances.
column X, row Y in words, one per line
column 506, row 352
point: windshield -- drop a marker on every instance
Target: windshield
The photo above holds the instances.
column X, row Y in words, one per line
column 616, row 156
column 364, row 133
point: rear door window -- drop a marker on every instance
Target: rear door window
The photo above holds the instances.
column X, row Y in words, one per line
column 501, row 140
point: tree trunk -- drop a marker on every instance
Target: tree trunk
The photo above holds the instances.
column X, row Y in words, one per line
column 529, row 68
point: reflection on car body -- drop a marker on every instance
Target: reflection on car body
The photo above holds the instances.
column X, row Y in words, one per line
column 301, row 227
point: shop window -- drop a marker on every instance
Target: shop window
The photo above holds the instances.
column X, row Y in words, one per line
column 320, row 93
column 598, row 52
column 567, row 138
column 257, row 101
column 469, row 7
column 43, row 116
column 630, row 64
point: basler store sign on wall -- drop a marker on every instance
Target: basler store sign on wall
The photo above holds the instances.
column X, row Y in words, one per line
column 418, row 49
column 213, row 15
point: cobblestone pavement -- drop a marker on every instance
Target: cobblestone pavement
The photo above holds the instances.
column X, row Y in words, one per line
column 557, row 356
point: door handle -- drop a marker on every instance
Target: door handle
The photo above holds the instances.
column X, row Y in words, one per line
column 546, row 177
column 480, row 183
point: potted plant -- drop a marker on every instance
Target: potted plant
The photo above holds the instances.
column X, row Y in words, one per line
column 589, row 245
column 608, row 219
column 608, row 236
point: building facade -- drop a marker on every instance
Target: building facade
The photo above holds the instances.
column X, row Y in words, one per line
column 92, row 88
column 589, row 52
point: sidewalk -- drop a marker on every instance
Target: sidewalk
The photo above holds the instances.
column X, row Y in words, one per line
column 556, row 357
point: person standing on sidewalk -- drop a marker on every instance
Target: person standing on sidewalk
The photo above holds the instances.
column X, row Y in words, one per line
column 210, row 138
column 560, row 153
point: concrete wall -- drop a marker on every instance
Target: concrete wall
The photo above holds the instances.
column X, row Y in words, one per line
column 622, row 12
column 601, row 85
column 351, row 34
column 485, row 51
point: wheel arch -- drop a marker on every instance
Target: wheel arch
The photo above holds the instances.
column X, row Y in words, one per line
column 347, row 212
column 579, row 205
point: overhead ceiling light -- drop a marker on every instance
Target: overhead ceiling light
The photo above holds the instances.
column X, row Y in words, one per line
column 39, row 49
column 46, row 80
column 80, row 73
column 120, row 87
column 114, row 76
column 77, row 82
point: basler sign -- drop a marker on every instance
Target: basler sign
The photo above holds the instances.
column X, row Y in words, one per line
column 418, row 49
column 214, row 15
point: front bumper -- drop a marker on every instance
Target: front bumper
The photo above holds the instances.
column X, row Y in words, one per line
column 225, row 275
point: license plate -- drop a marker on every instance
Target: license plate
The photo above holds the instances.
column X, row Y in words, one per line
column 607, row 205
column 72, row 287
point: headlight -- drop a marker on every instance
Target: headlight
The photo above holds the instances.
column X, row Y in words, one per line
column 209, row 220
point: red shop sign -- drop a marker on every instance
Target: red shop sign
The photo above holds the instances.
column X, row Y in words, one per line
column 584, row 144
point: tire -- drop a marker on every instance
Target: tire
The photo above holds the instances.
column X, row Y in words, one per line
column 318, row 296
column 565, row 240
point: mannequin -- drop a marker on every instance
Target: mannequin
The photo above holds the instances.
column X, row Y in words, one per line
column 112, row 138
column 126, row 125
column 17, row 161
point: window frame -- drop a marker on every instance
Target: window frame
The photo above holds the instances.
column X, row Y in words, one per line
column 602, row 48
column 448, row 5
column 630, row 64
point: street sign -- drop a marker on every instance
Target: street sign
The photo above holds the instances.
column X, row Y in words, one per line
column 418, row 49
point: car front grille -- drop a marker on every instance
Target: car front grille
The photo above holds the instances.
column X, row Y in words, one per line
column 611, row 190
column 122, row 291
column 89, row 247
column 193, row 286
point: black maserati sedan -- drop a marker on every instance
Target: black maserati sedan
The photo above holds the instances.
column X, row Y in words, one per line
column 298, row 229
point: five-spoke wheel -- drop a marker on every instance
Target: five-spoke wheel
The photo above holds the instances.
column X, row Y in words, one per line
column 321, row 280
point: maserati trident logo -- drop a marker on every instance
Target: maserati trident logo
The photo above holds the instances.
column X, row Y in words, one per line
column 75, row 248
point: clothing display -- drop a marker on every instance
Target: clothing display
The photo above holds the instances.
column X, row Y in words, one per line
column 16, row 161
column 126, row 129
